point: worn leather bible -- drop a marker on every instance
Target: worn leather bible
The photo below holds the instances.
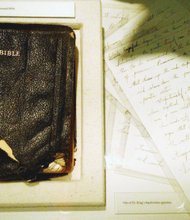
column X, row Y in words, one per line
column 37, row 101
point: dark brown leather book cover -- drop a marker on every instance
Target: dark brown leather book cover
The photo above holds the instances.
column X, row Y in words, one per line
column 37, row 100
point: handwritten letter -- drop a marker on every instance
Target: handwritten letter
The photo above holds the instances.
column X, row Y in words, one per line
column 152, row 65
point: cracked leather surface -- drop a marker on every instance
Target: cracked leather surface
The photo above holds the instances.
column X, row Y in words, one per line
column 37, row 97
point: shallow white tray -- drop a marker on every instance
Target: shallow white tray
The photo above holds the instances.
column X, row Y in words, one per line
column 85, row 186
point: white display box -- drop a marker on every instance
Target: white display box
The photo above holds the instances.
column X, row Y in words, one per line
column 85, row 187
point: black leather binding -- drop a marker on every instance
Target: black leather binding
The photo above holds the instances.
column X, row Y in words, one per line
column 37, row 97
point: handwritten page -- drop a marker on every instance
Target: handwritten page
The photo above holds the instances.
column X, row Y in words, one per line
column 126, row 156
column 115, row 15
column 149, row 59
column 138, row 144
column 117, row 133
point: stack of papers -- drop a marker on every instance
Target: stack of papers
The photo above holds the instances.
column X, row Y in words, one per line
column 147, row 67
